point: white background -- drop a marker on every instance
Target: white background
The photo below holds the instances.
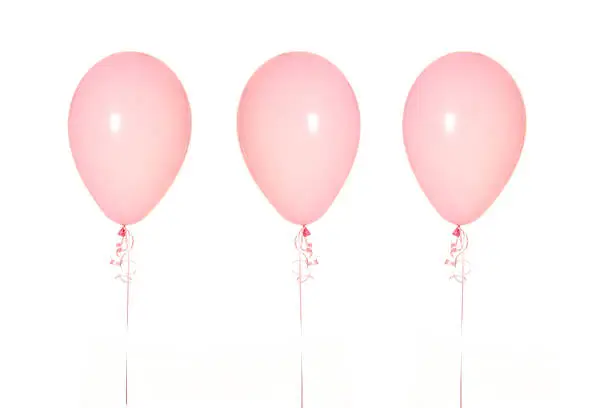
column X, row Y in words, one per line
column 214, row 319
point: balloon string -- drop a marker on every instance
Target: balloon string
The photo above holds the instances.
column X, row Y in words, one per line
column 461, row 269
column 127, row 325
column 127, row 271
column 307, row 258
column 301, row 340
column 461, row 364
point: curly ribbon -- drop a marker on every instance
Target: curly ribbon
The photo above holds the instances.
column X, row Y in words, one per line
column 306, row 260
column 127, row 271
column 306, row 257
column 456, row 258
column 461, row 269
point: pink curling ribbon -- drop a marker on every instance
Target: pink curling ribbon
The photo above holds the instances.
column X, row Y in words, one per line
column 461, row 269
column 456, row 258
column 127, row 271
column 306, row 260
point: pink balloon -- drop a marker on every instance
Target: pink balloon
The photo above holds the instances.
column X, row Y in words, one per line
column 298, row 127
column 129, row 128
column 464, row 129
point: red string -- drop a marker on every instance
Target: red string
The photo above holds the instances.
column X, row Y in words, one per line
column 306, row 260
column 127, row 271
column 461, row 269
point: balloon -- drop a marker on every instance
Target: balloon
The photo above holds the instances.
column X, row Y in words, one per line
column 298, row 127
column 129, row 128
column 464, row 129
